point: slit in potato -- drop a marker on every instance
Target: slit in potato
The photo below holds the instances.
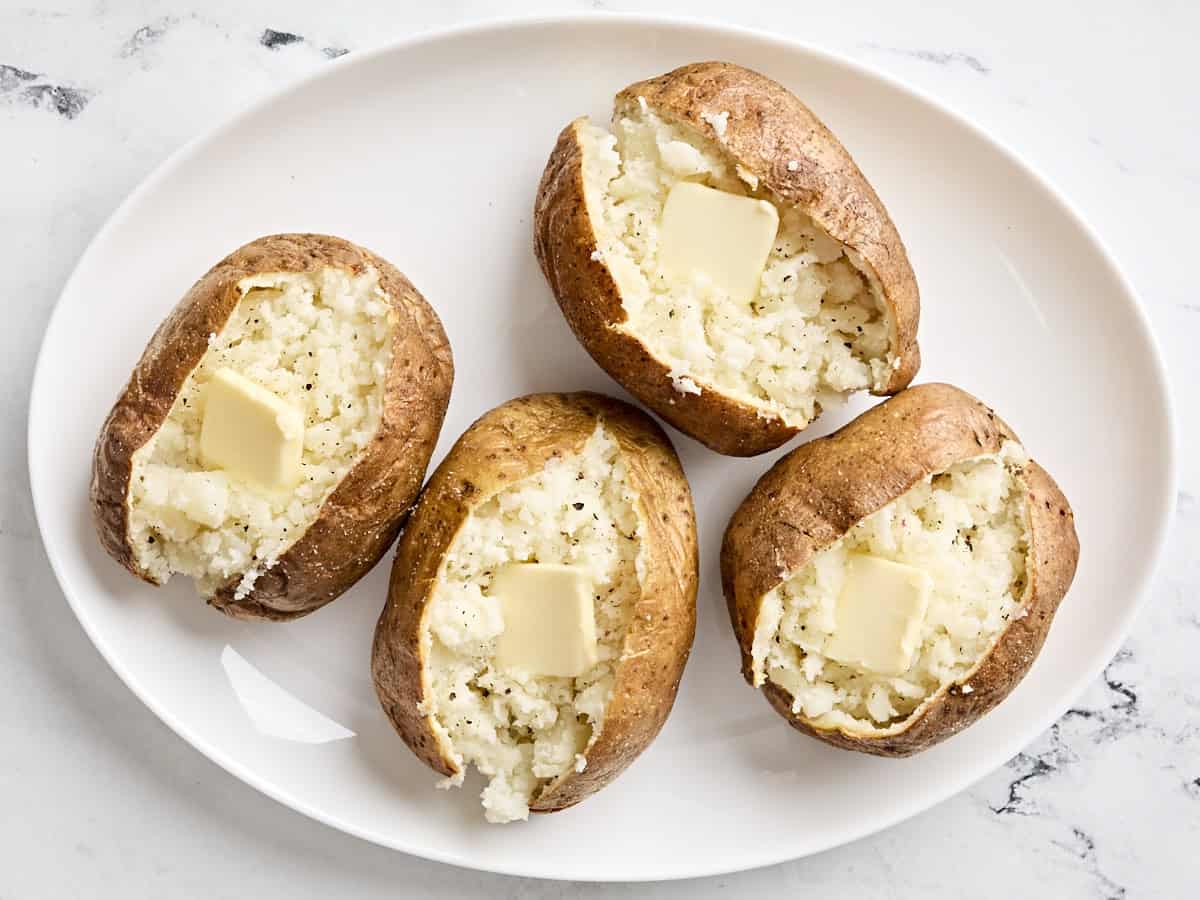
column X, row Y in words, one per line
column 891, row 583
column 522, row 730
column 322, row 342
column 968, row 529
column 591, row 490
column 813, row 334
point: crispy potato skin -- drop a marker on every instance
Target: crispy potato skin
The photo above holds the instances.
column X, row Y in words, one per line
column 815, row 494
column 506, row 445
column 767, row 128
column 361, row 518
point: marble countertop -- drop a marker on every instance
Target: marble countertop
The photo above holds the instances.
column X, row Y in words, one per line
column 103, row 800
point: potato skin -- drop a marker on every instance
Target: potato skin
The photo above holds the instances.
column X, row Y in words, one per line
column 767, row 128
column 810, row 498
column 360, row 519
column 506, row 445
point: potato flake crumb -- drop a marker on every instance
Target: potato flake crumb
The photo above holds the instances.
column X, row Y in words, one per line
column 718, row 120
column 683, row 384
column 747, row 176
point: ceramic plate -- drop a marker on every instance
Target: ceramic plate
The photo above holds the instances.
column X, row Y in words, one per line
column 428, row 152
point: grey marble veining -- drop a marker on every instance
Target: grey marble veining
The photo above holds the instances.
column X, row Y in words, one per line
column 937, row 57
column 103, row 800
column 34, row 89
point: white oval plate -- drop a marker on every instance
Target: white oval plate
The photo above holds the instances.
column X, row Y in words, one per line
column 428, row 152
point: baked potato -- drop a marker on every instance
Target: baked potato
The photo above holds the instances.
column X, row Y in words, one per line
column 573, row 486
column 734, row 329
column 329, row 375
column 927, row 492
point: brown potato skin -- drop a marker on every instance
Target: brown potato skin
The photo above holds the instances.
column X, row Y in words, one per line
column 506, row 445
column 360, row 519
column 810, row 498
column 767, row 128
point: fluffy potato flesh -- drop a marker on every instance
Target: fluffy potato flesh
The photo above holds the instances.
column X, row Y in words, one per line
column 815, row 332
column 968, row 528
column 322, row 343
column 524, row 731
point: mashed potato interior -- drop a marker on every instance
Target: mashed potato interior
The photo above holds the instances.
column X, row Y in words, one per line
column 320, row 342
column 520, row 730
column 967, row 527
column 814, row 334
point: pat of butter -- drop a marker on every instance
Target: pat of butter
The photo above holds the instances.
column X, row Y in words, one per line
column 879, row 615
column 725, row 236
column 250, row 432
column 549, row 621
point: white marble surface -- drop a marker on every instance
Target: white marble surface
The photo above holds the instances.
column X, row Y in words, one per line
column 101, row 799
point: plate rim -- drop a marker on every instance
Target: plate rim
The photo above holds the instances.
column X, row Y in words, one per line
column 968, row 775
